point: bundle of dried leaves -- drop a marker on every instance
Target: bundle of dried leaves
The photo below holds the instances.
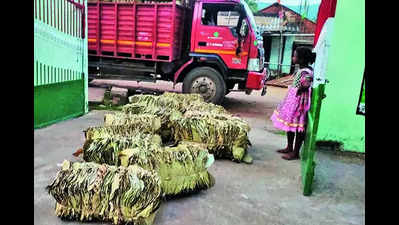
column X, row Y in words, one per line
column 91, row 191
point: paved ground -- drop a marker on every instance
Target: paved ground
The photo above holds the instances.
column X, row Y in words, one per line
column 266, row 192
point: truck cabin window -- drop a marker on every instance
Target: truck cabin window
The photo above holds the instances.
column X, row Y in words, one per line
column 219, row 15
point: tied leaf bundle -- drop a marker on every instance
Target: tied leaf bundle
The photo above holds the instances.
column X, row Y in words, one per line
column 174, row 101
column 90, row 191
column 189, row 118
column 106, row 149
column 134, row 120
column 169, row 101
column 163, row 112
column 159, row 118
column 182, row 169
column 207, row 107
column 120, row 130
column 225, row 136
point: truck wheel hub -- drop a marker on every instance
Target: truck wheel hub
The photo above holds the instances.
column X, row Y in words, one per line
column 204, row 86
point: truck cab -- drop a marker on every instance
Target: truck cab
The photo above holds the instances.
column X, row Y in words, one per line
column 226, row 49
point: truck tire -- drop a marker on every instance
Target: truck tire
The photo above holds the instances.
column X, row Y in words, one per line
column 205, row 81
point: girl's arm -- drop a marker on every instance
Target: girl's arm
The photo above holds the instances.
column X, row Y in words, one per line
column 305, row 82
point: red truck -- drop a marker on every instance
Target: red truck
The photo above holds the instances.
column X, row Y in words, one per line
column 209, row 45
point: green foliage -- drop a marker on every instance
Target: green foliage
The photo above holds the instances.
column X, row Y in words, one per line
column 252, row 5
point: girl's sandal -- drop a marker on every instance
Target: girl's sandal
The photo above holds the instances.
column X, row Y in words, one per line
column 284, row 151
column 289, row 157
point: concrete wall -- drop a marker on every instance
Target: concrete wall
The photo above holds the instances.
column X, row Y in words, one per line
column 338, row 119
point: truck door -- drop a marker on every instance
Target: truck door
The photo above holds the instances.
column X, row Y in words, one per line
column 216, row 33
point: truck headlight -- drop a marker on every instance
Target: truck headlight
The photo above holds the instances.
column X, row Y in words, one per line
column 253, row 65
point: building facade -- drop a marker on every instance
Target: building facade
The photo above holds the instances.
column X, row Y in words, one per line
column 339, row 120
column 283, row 30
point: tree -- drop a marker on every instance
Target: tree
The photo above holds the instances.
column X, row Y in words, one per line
column 252, row 5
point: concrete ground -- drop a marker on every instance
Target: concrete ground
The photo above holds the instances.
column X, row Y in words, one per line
column 265, row 192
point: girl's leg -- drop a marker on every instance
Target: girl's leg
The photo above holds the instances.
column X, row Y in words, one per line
column 300, row 137
column 290, row 143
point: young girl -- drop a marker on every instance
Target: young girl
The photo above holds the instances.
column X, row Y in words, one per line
column 291, row 113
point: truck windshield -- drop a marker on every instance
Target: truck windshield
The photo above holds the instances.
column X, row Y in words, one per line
column 250, row 16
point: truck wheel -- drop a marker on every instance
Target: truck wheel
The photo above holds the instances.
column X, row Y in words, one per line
column 205, row 81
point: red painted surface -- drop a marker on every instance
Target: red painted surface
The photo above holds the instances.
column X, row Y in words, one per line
column 219, row 40
column 326, row 10
column 178, row 72
column 135, row 30
column 256, row 80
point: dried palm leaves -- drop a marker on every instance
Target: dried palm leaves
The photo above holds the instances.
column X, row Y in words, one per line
column 90, row 191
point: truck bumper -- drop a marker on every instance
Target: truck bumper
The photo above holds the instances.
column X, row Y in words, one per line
column 256, row 80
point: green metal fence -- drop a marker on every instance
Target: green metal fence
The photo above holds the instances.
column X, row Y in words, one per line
column 60, row 61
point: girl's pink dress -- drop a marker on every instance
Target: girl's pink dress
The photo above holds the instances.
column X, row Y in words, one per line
column 291, row 113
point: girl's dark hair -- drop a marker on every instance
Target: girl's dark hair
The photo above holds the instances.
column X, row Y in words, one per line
column 305, row 56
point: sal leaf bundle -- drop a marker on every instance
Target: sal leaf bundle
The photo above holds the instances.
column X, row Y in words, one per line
column 182, row 169
column 90, row 191
column 159, row 124
column 120, row 130
column 106, row 149
column 174, row 101
column 225, row 136
column 136, row 120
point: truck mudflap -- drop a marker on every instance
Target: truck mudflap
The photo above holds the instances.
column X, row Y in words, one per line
column 257, row 80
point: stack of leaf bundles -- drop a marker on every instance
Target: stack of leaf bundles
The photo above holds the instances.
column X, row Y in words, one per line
column 90, row 191
column 167, row 105
column 225, row 136
column 182, row 169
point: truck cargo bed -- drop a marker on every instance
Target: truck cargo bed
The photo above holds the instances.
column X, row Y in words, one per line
column 141, row 31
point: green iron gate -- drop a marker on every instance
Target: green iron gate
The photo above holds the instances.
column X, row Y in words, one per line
column 60, row 61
